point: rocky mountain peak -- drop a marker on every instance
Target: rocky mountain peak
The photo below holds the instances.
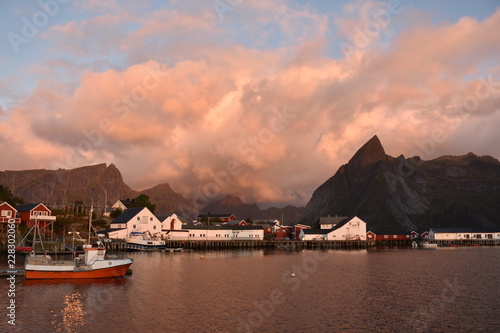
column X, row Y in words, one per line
column 400, row 195
column 371, row 152
column 231, row 201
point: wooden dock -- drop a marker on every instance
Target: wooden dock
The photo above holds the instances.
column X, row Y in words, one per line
column 465, row 242
column 267, row 244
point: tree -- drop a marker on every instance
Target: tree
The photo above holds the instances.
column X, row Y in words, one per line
column 115, row 213
column 6, row 195
column 143, row 201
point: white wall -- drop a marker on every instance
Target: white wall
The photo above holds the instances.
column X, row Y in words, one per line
column 305, row 237
column 166, row 223
column 355, row 229
column 142, row 222
column 215, row 234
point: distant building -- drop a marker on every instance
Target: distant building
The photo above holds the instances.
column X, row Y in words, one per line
column 35, row 213
column 123, row 204
column 136, row 219
column 330, row 222
column 236, row 222
column 387, row 237
column 216, row 217
column 170, row 222
column 477, row 233
column 348, row 229
column 214, row 233
column 7, row 212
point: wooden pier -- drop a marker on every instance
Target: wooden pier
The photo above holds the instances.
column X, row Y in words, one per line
column 116, row 245
column 172, row 245
column 465, row 242
column 268, row 244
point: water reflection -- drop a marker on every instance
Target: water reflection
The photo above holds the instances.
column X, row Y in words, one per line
column 74, row 282
column 70, row 305
column 71, row 317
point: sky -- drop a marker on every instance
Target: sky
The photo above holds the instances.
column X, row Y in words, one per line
column 260, row 99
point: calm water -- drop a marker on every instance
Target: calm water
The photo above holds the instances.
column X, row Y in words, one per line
column 391, row 290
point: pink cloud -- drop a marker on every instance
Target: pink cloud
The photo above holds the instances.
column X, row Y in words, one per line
column 288, row 117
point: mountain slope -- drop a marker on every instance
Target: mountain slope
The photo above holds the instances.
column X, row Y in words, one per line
column 398, row 195
column 95, row 183
column 234, row 205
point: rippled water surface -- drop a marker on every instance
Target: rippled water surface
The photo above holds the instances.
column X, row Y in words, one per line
column 383, row 290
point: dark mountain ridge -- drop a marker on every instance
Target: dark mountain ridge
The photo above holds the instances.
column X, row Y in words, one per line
column 396, row 195
column 90, row 184
column 233, row 205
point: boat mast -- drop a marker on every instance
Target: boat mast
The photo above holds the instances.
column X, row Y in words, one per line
column 90, row 219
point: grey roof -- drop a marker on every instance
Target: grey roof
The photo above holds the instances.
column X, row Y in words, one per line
column 327, row 231
column 316, row 231
column 331, row 219
column 107, row 231
column 224, row 227
column 128, row 202
column 128, row 214
column 466, row 230
column 214, row 215
column 27, row 207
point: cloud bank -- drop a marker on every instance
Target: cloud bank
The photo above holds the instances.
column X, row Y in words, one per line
column 265, row 103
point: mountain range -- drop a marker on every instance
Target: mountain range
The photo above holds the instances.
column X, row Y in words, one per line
column 395, row 195
column 100, row 183
column 392, row 195
column 94, row 184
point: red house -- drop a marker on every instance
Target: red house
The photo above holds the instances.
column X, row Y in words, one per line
column 217, row 217
column 7, row 212
column 425, row 235
column 370, row 235
column 236, row 222
column 392, row 237
column 298, row 228
column 35, row 213
column 284, row 232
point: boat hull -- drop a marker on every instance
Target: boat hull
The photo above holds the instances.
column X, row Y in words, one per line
column 132, row 247
column 108, row 272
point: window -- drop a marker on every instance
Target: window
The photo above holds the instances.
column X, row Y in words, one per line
column 154, row 227
column 151, row 219
column 7, row 213
column 138, row 218
column 134, row 226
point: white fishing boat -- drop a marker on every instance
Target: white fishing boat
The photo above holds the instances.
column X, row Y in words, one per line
column 94, row 263
column 144, row 241
column 427, row 245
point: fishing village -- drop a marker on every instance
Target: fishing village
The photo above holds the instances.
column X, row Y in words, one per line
column 138, row 229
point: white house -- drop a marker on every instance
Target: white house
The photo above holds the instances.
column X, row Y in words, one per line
column 171, row 222
column 139, row 219
column 348, row 229
column 329, row 222
column 464, row 233
column 214, row 233
column 123, row 204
